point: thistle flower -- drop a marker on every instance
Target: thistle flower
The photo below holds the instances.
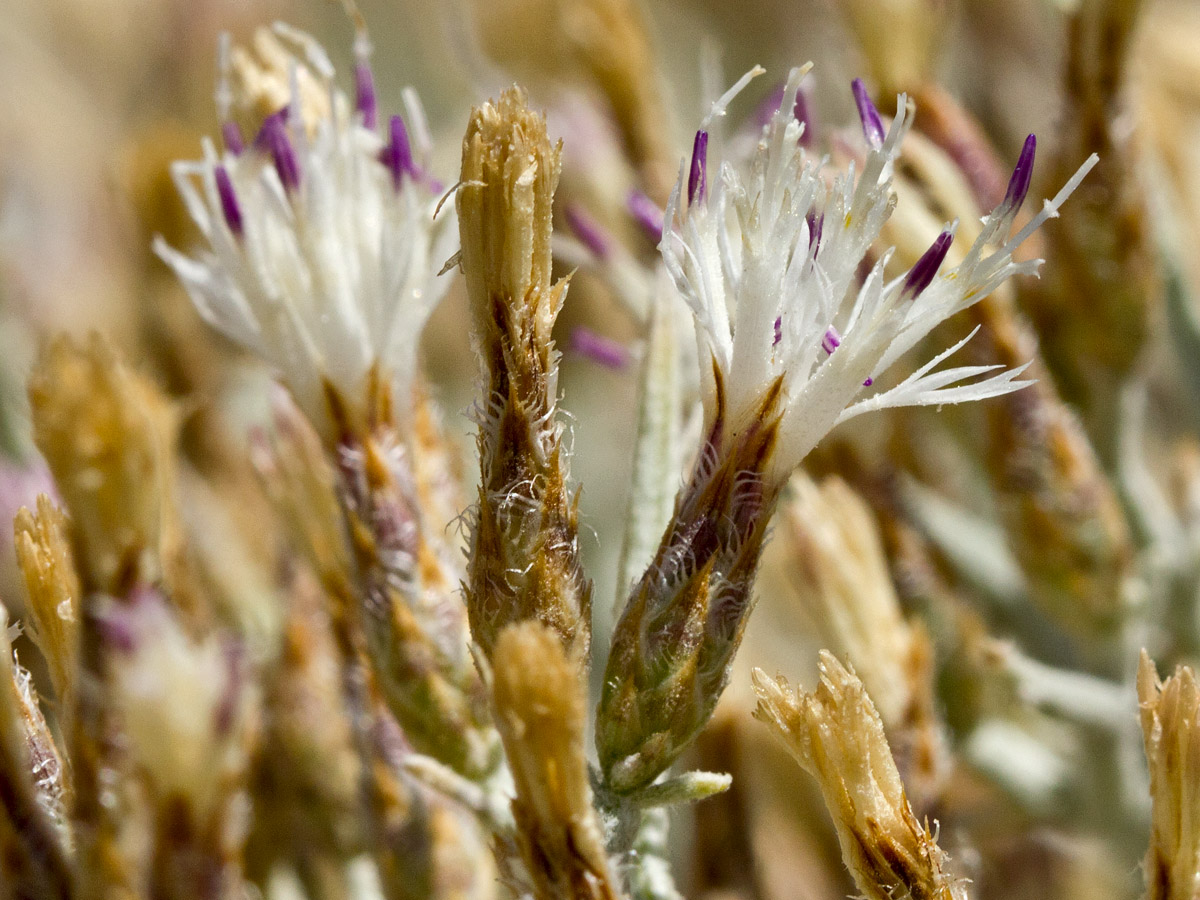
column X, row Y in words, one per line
column 836, row 735
column 322, row 258
column 524, row 558
column 322, row 248
column 792, row 257
column 1170, row 714
column 766, row 260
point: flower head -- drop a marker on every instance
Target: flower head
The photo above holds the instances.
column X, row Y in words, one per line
column 836, row 735
column 769, row 261
column 768, row 258
column 322, row 245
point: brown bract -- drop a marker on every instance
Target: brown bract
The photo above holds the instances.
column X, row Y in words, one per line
column 683, row 623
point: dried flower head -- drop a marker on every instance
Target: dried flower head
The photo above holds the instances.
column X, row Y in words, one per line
column 524, row 550
column 604, row 42
column 836, row 735
column 1170, row 713
column 106, row 433
column 322, row 248
column 540, row 710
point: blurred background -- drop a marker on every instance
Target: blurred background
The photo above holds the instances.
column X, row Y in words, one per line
column 98, row 96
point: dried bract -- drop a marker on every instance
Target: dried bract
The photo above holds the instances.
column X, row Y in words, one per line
column 1170, row 714
column 540, row 711
column 53, row 594
column 524, row 557
column 34, row 837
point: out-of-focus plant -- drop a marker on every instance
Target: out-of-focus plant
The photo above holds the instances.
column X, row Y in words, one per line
column 314, row 685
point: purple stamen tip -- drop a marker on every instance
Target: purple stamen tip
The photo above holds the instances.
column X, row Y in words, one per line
column 831, row 341
column 697, row 178
column 815, row 225
column 646, row 213
column 364, row 85
column 1018, row 185
column 599, row 349
column 872, row 125
column 921, row 275
column 397, row 155
column 868, row 382
column 229, row 202
column 767, row 109
column 232, row 135
column 118, row 630
column 273, row 139
column 778, row 331
column 590, row 232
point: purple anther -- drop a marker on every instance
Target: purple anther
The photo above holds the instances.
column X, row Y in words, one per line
column 800, row 109
column 698, row 176
column 831, row 341
column 767, row 109
column 591, row 233
column 364, row 86
column 599, row 349
column 778, row 331
column 868, row 382
column 229, row 202
column 872, row 125
column 397, row 155
column 815, row 225
column 273, row 139
column 921, row 275
column 1018, row 185
column 646, row 213
column 232, row 135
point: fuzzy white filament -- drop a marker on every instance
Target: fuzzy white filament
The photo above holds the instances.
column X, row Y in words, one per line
column 767, row 260
column 324, row 263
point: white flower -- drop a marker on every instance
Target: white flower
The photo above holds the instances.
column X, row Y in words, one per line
column 322, row 244
column 767, row 260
